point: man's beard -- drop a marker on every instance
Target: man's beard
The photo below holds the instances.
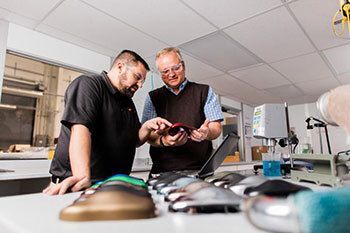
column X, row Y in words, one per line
column 127, row 90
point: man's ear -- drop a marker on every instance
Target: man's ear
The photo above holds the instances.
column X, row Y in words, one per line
column 119, row 66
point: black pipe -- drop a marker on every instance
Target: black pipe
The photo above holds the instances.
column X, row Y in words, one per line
column 327, row 138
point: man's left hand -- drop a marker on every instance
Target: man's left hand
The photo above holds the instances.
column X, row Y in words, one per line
column 202, row 133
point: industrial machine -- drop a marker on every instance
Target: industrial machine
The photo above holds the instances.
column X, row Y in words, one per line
column 270, row 122
column 331, row 170
column 328, row 169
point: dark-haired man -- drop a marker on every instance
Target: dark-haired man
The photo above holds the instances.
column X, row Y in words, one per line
column 100, row 127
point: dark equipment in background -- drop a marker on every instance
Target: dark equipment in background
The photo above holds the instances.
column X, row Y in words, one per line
column 319, row 124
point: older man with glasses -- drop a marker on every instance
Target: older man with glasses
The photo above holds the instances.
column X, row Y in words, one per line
column 100, row 127
column 190, row 103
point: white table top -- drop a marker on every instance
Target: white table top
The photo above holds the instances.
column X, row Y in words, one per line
column 39, row 213
column 24, row 169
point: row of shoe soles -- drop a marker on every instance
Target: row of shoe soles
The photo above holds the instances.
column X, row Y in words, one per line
column 116, row 199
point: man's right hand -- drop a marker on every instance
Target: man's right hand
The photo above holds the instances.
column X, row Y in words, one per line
column 74, row 183
column 177, row 140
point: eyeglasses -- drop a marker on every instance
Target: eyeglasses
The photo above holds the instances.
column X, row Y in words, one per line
column 175, row 68
column 138, row 77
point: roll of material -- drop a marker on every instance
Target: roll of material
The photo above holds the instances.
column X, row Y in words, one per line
column 305, row 212
column 322, row 106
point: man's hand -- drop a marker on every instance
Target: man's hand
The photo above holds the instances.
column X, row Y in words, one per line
column 202, row 133
column 157, row 125
column 152, row 128
column 74, row 183
column 177, row 140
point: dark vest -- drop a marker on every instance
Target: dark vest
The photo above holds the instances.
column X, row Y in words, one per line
column 187, row 107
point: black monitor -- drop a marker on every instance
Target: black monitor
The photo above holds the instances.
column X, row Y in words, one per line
column 216, row 159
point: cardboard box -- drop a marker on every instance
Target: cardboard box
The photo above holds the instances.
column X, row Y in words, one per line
column 232, row 158
column 257, row 152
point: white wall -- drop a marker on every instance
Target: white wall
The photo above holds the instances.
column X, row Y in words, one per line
column 153, row 81
column 36, row 44
column 3, row 42
column 298, row 115
column 249, row 141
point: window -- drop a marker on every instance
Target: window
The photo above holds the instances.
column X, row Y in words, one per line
column 32, row 101
column 232, row 124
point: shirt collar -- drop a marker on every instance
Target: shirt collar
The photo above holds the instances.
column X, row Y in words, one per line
column 182, row 86
column 108, row 82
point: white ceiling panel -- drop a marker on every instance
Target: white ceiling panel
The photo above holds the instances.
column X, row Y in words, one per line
column 75, row 40
column 344, row 78
column 260, row 97
column 223, row 13
column 220, row 51
column 302, row 99
column 35, row 10
column 303, row 68
column 261, row 77
column 170, row 21
column 239, row 90
column 286, row 91
column 197, row 70
column 316, row 16
column 17, row 19
column 317, row 87
column 90, row 24
column 272, row 36
column 339, row 57
column 225, row 82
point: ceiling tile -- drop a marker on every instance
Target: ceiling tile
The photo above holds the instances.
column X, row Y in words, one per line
column 75, row 40
column 220, row 51
column 259, row 97
column 272, row 36
column 170, row 21
column 301, row 99
column 225, row 85
column 35, row 10
column 344, row 78
column 339, row 58
column 223, row 13
column 225, row 82
column 316, row 17
column 237, row 89
column 303, row 68
column 90, row 24
column 17, row 19
column 260, row 77
column 317, row 87
column 197, row 70
column 287, row 91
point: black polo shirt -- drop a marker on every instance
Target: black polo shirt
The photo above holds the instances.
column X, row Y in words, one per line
column 111, row 117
